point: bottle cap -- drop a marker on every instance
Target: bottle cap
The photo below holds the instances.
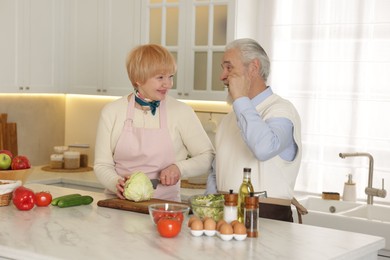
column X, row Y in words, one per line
column 231, row 199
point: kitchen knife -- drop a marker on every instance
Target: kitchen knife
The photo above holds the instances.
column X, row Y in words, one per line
column 155, row 182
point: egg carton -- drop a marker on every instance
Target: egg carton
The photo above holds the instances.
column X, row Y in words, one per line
column 225, row 237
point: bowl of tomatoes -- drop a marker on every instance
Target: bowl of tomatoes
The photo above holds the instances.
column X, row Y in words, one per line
column 168, row 210
column 168, row 217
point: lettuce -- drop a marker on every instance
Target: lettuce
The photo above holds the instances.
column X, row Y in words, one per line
column 138, row 187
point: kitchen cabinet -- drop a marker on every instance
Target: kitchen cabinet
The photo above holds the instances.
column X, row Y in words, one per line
column 30, row 46
column 99, row 36
column 196, row 33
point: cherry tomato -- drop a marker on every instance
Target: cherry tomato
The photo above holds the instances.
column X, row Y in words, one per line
column 179, row 216
column 43, row 198
column 157, row 215
column 168, row 227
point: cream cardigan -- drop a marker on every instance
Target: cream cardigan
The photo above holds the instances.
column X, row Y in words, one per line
column 194, row 151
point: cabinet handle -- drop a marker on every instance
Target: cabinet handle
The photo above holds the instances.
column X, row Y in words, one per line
column 179, row 93
column 20, row 88
column 99, row 90
column 104, row 90
column 186, row 94
column 27, row 88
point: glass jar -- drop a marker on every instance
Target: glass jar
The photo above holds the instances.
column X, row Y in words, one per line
column 71, row 160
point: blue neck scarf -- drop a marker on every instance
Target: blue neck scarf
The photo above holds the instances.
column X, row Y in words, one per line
column 152, row 104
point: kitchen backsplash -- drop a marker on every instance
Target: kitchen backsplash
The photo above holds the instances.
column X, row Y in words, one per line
column 45, row 121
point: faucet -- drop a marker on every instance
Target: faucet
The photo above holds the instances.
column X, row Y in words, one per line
column 370, row 191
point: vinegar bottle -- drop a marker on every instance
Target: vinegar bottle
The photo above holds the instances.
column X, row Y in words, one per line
column 245, row 188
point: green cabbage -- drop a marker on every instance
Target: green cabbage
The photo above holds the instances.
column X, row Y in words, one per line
column 138, row 187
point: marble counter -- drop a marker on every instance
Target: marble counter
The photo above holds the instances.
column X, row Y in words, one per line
column 92, row 232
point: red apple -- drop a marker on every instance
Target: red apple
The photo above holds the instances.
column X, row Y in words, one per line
column 20, row 162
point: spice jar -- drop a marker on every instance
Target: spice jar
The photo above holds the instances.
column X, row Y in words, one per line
column 71, row 160
column 83, row 149
column 230, row 207
column 56, row 161
column 251, row 215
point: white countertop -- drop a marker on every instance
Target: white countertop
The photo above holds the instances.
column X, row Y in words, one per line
column 92, row 232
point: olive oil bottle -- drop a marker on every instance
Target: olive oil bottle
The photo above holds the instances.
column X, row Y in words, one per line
column 245, row 189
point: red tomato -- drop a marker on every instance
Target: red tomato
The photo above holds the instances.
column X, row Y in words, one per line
column 43, row 198
column 168, row 227
column 20, row 162
column 179, row 216
column 23, row 198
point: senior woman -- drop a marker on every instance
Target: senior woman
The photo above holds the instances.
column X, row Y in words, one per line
column 150, row 131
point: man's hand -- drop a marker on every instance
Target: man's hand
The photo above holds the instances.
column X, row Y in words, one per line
column 239, row 86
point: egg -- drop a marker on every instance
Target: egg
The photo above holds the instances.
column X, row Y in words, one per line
column 192, row 218
column 239, row 228
column 197, row 224
column 220, row 223
column 226, row 229
column 234, row 222
column 209, row 224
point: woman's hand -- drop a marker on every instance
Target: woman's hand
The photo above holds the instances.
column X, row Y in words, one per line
column 170, row 175
column 120, row 187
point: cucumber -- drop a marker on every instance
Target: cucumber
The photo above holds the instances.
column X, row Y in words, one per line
column 55, row 201
column 75, row 201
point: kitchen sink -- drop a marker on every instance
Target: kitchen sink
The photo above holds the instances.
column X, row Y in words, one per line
column 327, row 206
column 370, row 212
column 349, row 216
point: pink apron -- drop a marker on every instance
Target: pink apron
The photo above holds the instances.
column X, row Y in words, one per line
column 148, row 150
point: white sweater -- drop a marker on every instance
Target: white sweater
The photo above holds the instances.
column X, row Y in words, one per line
column 187, row 134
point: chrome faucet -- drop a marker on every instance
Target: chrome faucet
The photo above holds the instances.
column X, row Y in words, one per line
column 370, row 191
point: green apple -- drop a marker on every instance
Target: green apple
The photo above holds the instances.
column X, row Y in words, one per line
column 5, row 161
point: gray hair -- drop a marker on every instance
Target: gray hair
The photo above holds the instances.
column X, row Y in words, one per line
column 250, row 50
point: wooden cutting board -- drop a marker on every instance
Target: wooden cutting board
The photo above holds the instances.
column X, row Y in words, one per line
column 8, row 135
column 140, row 207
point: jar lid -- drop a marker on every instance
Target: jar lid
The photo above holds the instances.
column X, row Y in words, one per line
column 56, row 157
column 231, row 199
column 251, row 201
column 60, row 149
column 71, row 154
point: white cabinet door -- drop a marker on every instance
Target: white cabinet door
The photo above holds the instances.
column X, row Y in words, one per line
column 29, row 47
column 100, row 33
column 196, row 33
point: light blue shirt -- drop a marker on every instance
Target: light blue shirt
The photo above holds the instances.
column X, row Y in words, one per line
column 265, row 138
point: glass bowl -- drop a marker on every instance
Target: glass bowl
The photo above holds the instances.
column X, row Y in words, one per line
column 170, row 210
column 210, row 206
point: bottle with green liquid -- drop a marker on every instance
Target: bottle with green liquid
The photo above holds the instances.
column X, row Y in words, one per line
column 245, row 189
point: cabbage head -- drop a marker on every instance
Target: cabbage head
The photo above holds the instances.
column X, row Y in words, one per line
column 138, row 187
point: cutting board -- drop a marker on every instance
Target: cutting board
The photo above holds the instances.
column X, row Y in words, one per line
column 140, row 207
column 8, row 135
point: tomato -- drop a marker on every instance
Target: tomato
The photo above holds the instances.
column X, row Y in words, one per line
column 179, row 216
column 168, row 227
column 43, row 198
column 23, row 198
column 157, row 215
column 20, row 162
